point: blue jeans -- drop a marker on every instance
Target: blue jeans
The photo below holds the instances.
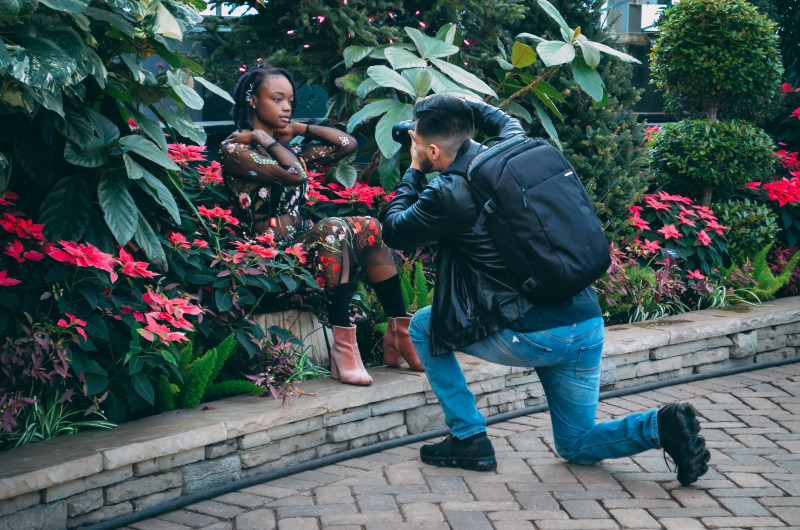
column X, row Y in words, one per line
column 567, row 360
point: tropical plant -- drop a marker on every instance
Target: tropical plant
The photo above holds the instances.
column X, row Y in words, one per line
column 72, row 80
column 717, row 58
column 391, row 92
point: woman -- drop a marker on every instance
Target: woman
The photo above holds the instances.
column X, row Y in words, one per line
column 268, row 180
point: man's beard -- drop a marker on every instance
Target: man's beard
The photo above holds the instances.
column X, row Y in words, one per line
column 426, row 165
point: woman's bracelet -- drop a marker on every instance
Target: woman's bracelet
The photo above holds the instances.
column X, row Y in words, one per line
column 270, row 146
column 306, row 134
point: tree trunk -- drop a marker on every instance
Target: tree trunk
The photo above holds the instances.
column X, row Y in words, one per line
column 708, row 189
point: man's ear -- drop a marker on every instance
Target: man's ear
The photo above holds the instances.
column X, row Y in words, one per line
column 434, row 151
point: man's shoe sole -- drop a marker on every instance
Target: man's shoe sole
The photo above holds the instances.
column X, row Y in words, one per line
column 472, row 463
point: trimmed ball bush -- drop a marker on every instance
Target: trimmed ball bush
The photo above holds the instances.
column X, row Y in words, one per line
column 717, row 56
column 693, row 157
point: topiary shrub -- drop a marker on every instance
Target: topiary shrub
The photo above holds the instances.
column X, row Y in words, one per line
column 694, row 157
column 717, row 57
column 751, row 226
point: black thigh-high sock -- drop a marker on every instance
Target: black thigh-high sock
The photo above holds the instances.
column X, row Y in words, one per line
column 391, row 297
column 339, row 306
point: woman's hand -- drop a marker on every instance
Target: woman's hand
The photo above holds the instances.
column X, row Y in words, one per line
column 247, row 137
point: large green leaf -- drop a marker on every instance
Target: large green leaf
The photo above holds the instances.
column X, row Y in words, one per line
column 119, row 210
column 389, row 170
column 590, row 53
column 17, row 8
column 547, row 123
column 163, row 195
column 388, row 78
column 177, row 118
column 94, row 154
column 70, row 6
column 422, row 82
column 459, row 75
column 134, row 170
column 371, row 110
column 616, row 53
column 522, row 55
column 555, row 52
column 537, row 92
column 5, row 58
column 186, row 93
column 42, row 63
column 161, row 22
column 553, row 13
column 76, row 128
column 49, row 100
column 146, row 238
column 401, row 58
column 211, row 87
column 447, row 33
column 144, row 147
column 136, row 71
column 587, row 78
column 5, row 172
column 103, row 127
column 150, row 126
column 518, row 110
column 366, row 86
column 117, row 20
column 353, row 54
column 344, row 173
column 429, row 47
column 441, row 84
column 65, row 210
column 383, row 130
column 143, row 386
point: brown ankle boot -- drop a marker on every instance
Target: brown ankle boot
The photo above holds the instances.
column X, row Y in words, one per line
column 397, row 345
column 346, row 364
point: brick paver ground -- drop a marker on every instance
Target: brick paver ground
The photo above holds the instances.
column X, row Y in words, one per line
column 751, row 422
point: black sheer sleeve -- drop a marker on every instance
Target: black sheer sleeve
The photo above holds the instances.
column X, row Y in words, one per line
column 328, row 145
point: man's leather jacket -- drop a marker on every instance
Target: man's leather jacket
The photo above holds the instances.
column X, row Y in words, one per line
column 474, row 295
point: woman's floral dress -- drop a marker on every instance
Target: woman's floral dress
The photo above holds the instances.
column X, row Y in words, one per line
column 268, row 188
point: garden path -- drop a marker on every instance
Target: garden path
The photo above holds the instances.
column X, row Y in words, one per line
column 751, row 422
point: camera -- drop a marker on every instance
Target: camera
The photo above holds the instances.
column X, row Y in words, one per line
column 400, row 132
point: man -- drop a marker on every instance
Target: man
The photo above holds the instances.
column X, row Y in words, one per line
column 477, row 310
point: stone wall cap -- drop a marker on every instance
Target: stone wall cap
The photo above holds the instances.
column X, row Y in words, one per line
column 41, row 465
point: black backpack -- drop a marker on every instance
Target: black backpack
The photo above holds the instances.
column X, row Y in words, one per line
column 540, row 217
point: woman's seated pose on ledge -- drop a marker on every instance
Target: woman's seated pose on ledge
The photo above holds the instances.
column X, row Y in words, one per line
column 268, row 182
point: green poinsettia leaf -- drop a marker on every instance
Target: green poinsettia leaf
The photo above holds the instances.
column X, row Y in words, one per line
column 146, row 238
column 461, row 76
column 177, row 118
column 401, row 58
column 383, row 130
column 371, row 110
column 587, row 78
column 554, row 52
column 119, row 209
column 353, row 54
column 388, row 78
column 214, row 89
column 144, row 147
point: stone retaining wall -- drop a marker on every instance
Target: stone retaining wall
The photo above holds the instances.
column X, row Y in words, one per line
column 94, row 476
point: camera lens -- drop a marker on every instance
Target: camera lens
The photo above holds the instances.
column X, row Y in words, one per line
column 400, row 132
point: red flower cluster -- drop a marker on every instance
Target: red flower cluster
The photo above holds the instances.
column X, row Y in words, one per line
column 784, row 191
column 360, row 192
column 76, row 323
column 24, row 228
column 686, row 213
column 248, row 249
column 217, row 214
column 133, row 268
column 4, row 280
column 211, row 175
column 83, row 255
column 182, row 154
column 788, row 160
column 171, row 311
column 297, row 251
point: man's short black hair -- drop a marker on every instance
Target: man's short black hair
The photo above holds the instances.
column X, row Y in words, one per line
column 445, row 118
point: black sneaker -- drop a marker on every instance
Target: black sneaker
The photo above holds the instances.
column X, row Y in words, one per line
column 475, row 452
column 677, row 430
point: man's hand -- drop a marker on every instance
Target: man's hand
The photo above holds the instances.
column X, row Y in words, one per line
column 413, row 151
